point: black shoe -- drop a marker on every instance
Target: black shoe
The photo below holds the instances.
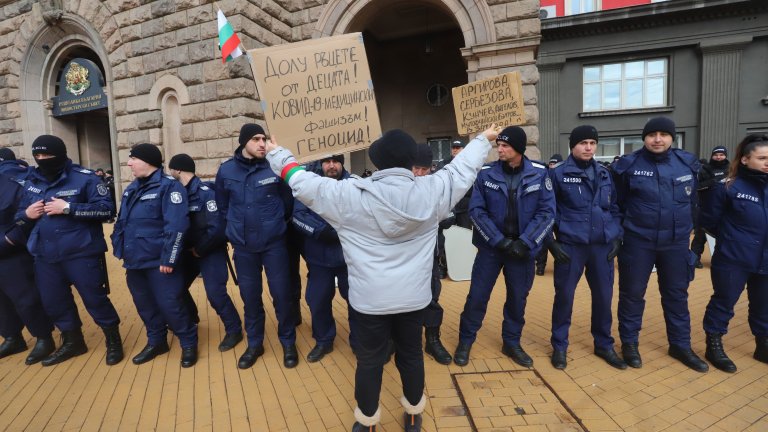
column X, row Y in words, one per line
column 631, row 355
column 559, row 360
column 412, row 422
column 250, row 356
column 443, row 270
column 72, row 345
column 42, row 349
column 434, row 347
column 357, row 427
column 149, row 352
column 12, row 345
column 461, row 355
column 716, row 353
column 290, row 356
column 688, row 358
column 516, row 353
column 698, row 263
column 114, row 345
column 188, row 357
column 230, row 341
column 610, row 357
column 761, row 349
column 318, row 352
column 539, row 270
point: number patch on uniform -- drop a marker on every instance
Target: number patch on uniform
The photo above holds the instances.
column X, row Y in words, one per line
column 102, row 190
column 176, row 197
column 211, row 206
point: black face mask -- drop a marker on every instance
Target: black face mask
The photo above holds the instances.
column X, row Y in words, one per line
column 51, row 168
column 754, row 175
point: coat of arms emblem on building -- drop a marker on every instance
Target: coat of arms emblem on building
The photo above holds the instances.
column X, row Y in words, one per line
column 77, row 79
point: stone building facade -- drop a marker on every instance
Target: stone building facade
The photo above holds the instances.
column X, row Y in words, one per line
column 166, row 84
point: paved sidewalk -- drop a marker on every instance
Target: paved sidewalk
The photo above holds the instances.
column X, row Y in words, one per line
column 490, row 394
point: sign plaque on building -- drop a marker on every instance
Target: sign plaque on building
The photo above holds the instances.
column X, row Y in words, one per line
column 317, row 95
column 81, row 89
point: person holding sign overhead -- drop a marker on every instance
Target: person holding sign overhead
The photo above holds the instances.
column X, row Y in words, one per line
column 257, row 206
column 513, row 209
column 378, row 220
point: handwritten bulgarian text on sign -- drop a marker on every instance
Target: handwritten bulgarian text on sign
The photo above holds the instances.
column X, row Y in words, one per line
column 479, row 104
column 317, row 95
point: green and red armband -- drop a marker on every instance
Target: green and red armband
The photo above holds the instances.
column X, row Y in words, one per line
column 289, row 170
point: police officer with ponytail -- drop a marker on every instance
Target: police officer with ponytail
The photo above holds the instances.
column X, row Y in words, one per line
column 67, row 204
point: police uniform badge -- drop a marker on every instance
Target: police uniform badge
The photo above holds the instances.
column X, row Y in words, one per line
column 688, row 190
column 101, row 189
column 548, row 183
column 211, row 206
column 176, row 197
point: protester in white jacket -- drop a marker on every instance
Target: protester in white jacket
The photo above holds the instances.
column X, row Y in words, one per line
column 387, row 224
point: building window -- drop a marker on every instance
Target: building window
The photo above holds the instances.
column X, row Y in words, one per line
column 616, row 86
column 574, row 7
column 615, row 146
column 441, row 148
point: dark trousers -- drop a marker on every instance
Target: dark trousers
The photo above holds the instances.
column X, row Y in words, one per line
column 213, row 267
column 599, row 272
column 293, row 240
column 374, row 333
column 20, row 303
column 433, row 314
column 87, row 275
column 275, row 262
column 728, row 284
column 158, row 299
column 320, row 292
column 518, row 278
column 675, row 267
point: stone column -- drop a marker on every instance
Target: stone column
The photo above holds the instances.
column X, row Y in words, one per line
column 549, row 108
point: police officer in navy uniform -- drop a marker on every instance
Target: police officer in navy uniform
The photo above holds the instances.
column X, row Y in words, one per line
column 257, row 206
column 67, row 204
column 588, row 235
column 149, row 238
column 656, row 188
column 737, row 214
column 205, row 247
column 325, row 261
column 709, row 175
column 19, row 300
column 513, row 209
column 541, row 257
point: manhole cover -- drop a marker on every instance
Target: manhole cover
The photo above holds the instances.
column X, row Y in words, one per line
column 503, row 400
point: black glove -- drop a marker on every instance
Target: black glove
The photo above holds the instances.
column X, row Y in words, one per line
column 560, row 255
column 447, row 222
column 614, row 249
column 505, row 246
column 520, row 249
column 328, row 235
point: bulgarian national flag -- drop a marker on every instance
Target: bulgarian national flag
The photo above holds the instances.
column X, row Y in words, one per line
column 229, row 43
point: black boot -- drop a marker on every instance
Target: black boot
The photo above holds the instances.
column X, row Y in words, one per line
column 559, row 360
column 516, row 353
column 687, row 357
column 716, row 353
column 290, row 356
column 540, row 269
column 42, row 349
column 698, row 263
column 610, row 357
column 761, row 349
column 319, row 351
column 72, row 345
column 461, row 355
column 188, row 356
column 114, row 345
column 12, row 345
column 631, row 355
column 249, row 357
column 434, row 347
column 149, row 352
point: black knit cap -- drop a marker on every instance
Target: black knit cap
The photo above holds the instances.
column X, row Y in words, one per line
column 49, row 144
column 720, row 149
column 581, row 133
column 514, row 136
column 338, row 158
column 148, row 153
column 659, row 124
column 423, row 156
column 7, row 154
column 248, row 131
column 395, row 149
column 182, row 162
column 556, row 158
column 458, row 143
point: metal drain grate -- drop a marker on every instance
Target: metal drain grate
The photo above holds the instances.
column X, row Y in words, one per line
column 508, row 399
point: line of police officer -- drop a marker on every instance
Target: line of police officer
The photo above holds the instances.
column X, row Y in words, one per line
column 642, row 213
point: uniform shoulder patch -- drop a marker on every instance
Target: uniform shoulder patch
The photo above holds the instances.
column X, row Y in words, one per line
column 538, row 165
column 102, row 189
column 176, row 197
column 548, row 183
column 211, row 206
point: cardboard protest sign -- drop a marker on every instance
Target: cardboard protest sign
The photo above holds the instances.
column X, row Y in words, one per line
column 479, row 104
column 317, row 95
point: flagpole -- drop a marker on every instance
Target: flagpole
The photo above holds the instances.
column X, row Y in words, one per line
column 242, row 47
